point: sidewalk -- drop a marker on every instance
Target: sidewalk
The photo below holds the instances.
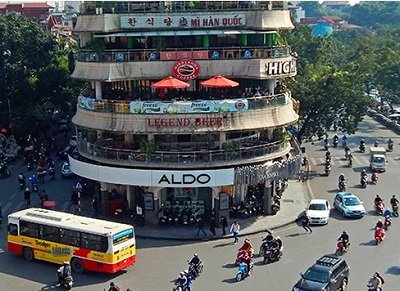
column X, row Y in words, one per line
column 294, row 201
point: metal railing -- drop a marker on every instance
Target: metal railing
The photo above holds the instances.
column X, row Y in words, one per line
column 204, row 157
column 116, row 106
column 140, row 55
column 117, row 7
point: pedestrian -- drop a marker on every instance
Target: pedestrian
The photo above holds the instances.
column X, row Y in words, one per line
column 224, row 224
column 113, row 287
column 200, row 225
column 43, row 197
column 212, row 225
column 74, row 202
column 27, row 197
column 235, row 228
column 306, row 223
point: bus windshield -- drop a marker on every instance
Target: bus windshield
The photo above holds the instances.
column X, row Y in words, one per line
column 122, row 236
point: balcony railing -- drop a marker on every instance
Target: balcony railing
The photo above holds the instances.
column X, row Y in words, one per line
column 196, row 158
column 140, row 55
column 183, row 107
column 89, row 7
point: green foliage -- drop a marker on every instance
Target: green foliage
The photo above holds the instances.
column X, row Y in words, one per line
column 33, row 71
column 148, row 147
column 375, row 13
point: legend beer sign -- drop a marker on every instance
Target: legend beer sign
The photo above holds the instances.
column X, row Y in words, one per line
column 281, row 67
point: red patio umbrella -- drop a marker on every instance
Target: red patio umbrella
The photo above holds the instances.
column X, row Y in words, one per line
column 170, row 83
column 219, row 81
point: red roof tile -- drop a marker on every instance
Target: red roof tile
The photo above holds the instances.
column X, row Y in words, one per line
column 36, row 5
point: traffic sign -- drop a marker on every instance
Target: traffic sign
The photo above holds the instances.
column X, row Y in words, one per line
column 78, row 185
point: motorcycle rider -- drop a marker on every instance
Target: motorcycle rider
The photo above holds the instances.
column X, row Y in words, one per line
column 344, row 238
column 113, row 287
column 21, row 180
column 390, row 144
column 364, row 174
column 378, row 200
column 362, row 143
column 387, row 213
column 341, row 178
column 344, row 140
column 376, row 143
column 376, row 282
column 374, row 176
column 64, row 273
column 350, row 157
column 379, row 224
column 181, row 281
column 247, row 246
column 327, row 167
column 195, row 261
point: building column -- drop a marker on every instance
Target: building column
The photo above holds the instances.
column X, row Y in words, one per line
column 150, row 137
column 271, row 85
column 98, row 90
column 129, row 194
column 222, row 139
column 128, row 137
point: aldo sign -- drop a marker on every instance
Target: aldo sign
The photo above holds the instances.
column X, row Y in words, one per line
column 200, row 178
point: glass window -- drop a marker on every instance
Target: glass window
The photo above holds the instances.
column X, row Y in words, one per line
column 317, row 275
column 122, row 236
column 29, row 229
column 12, row 229
column 94, row 242
column 70, row 237
column 49, row 233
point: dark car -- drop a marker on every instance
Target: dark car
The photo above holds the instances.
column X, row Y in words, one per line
column 328, row 273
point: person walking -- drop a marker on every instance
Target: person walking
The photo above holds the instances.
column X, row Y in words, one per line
column 212, row 225
column 113, row 287
column 43, row 197
column 306, row 223
column 27, row 197
column 224, row 224
column 235, row 228
column 200, row 225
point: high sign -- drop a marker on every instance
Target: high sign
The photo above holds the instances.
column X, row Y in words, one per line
column 210, row 20
column 280, row 67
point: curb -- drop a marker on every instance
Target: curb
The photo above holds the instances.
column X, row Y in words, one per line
column 307, row 193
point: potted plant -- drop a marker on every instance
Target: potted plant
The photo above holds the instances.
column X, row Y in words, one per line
column 148, row 147
column 230, row 149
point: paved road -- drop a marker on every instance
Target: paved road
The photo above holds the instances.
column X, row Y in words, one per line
column 159, row 262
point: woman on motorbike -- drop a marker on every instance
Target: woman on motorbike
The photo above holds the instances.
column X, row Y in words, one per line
column 376, row 282
column 247, row 246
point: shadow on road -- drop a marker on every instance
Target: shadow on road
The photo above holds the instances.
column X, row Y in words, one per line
column 230, row 280
column 393, row 270
column 223, row 245
column 296, row 234
column 370, row 243
column 229, row 265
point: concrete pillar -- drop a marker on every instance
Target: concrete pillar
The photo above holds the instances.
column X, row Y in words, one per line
column 268, row 194
column 128, row 137
column 271, row 85
column 129, row 196
column 150, row 137
column 99, row 93
column 222, row 139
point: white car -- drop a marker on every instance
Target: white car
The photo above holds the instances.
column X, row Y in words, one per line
column 66, row 170
column 318, row 211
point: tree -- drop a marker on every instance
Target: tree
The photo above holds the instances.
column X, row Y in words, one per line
column 33, row 70
column 375, row 13
column 328, row 93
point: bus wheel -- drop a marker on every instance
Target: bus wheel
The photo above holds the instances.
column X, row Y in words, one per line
column 77, row 266
column 28, row 254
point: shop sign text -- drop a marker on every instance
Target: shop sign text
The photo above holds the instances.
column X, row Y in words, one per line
column 184, row 122
column 185, row 179
column 278, row 68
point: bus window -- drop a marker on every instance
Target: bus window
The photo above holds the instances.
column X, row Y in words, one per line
column 29, row 229
column 12, row 229
column 49, row 233
column 70, row 237
column 94, row 242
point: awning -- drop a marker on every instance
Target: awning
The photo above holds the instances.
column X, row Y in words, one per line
column 181, row 33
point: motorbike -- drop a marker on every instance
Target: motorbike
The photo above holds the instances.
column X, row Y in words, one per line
column 362, row 148
column 194, row 271
column 328, row 159
column 22, row 184
column 327, row 170
column 374, row 178
column 35, row 188
column 379, row 235
column 390, row 147
column 240, row 211
column 342, row 186
column 379, row 208
column 271, row 255
column 66, row 282
column 371, row 287
column 52, row 173
column 364, row 182
column 388, row 222
column 340, row 247
column 350, row 162
column 243, row 271
column 326, row 146
column 335, row 142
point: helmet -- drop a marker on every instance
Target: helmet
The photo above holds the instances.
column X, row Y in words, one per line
column 247, row 241
column 196, row 255
column 27, row 189
column 341, row 174
column 394, row 196
column 277, row 237
column 66, row 263
column 182, row 273
column 363, row 170
column 377, row 196
column 185, row 272
column 379, row 220
column 344, row 232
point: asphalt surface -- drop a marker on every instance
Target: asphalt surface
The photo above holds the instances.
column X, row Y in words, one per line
column 159, row 262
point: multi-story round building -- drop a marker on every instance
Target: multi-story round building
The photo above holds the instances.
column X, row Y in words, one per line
column 200, row 148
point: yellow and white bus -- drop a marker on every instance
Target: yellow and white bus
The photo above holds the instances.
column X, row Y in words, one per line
column 89, row 244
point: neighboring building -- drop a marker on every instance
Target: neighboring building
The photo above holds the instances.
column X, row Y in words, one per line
column 198, row 149
column 297, row 11
column 326, row 25
column 337, row 5
column 38, row 11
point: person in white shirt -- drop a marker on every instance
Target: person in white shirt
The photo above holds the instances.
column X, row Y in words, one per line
column 235, row 228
